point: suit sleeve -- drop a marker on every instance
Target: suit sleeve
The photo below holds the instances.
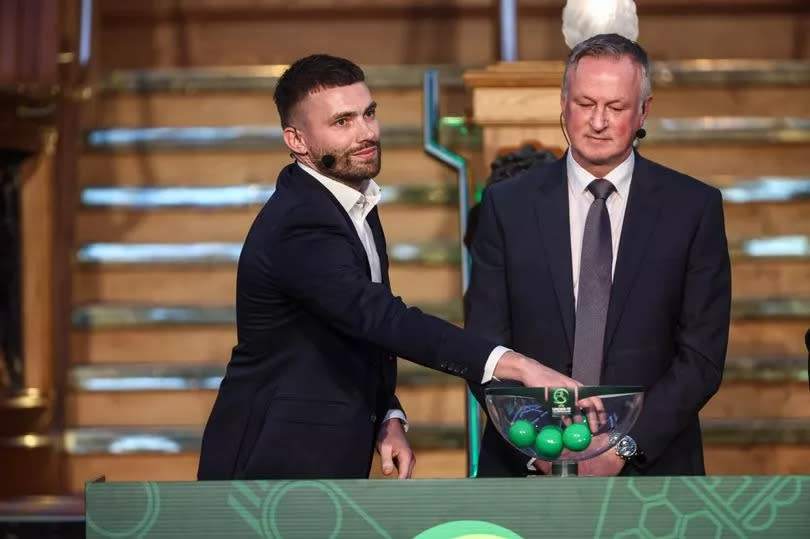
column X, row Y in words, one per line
column 314, row 262
column 701, row 339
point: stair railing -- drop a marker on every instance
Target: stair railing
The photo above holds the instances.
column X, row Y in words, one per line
column 430, row 126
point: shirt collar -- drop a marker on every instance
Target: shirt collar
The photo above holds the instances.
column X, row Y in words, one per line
column 579, row 178
column 348, row 197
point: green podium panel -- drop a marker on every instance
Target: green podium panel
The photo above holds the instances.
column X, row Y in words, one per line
column 652, row 508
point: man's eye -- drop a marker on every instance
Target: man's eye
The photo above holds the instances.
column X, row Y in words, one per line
column 371, row 114
column 342, row 121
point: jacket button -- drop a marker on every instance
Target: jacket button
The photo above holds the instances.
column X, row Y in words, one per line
column 373, row 418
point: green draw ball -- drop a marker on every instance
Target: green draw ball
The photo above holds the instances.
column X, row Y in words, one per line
column 522, row 433
column 549, row 443
column 577, row 436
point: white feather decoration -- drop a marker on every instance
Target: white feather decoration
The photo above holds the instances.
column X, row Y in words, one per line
column 586, row 18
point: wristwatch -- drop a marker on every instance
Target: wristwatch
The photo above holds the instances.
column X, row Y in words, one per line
column 626, row 448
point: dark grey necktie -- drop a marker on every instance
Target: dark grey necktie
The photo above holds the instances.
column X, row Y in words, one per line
column 593, row 295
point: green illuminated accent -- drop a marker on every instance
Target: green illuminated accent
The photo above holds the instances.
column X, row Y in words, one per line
column 468, row 529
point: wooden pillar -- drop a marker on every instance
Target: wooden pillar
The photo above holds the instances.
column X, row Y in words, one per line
column 517, row 102
column 36, row 261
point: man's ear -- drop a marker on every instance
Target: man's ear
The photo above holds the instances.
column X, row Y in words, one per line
column 294, row 140
column 645, row 108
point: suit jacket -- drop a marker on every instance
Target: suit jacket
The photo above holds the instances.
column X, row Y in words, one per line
column 668, row 318
column 314, row 370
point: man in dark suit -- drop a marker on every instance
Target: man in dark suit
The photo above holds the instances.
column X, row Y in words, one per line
column 654, row 315
column 309, row 389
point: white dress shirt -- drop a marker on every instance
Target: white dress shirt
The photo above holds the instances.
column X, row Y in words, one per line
column 580, row 200
column 358, row 205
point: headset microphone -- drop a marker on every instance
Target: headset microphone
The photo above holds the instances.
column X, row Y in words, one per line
column 328, row 160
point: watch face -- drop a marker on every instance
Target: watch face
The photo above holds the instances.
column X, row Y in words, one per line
column 626, row 447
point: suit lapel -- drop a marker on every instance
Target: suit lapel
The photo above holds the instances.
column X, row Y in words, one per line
column 379, row 242
column 640, row 217
column 316, row 192
column 553, row 220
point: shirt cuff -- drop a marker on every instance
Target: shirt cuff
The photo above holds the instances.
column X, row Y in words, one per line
column 492, row 362
column 394, row 413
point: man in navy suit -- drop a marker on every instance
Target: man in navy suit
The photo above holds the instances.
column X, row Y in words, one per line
column 309, row 389
column 608, row 267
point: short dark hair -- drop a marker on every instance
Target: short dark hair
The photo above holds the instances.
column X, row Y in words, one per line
column 311, row 74
column 614, row 46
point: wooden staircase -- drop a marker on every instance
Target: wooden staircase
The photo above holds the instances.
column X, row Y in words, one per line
column 153, row 332
column 182, row 146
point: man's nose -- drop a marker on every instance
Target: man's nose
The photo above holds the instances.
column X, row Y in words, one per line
column 598, row 119
column 370, row 130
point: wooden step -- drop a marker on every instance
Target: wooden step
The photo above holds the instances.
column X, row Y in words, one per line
column 216, row 285
column 703, row 146
column 400, row 222
column 768, row 337
column 704, row 161
column 249, row 32
column 732, row 100
column 191, row 408
column 240, row 196
column 226, row 254
column 234, row 167
column 169, row 395
column 105, row 316
column 404, row 106
column 440, row 405
column 752, row 220
column 132, row 467
column 752, row 278
column 234, row 95
column 453, row 131
column 731, row 448
column 394, row 106
column 703, row 73
column 171, row 344
column 772, row 327
column 761, row 190
column 767, row 189
column 434, row 463
column 765, row 459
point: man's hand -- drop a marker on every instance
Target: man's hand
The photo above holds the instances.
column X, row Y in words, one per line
column 394, row 449
column 514, row 366
column 605, row 465
column 543, row 466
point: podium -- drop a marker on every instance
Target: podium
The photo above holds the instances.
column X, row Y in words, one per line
column 730, row 506
column 517, row 102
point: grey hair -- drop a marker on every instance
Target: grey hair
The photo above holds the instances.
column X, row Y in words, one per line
column 612, row 46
